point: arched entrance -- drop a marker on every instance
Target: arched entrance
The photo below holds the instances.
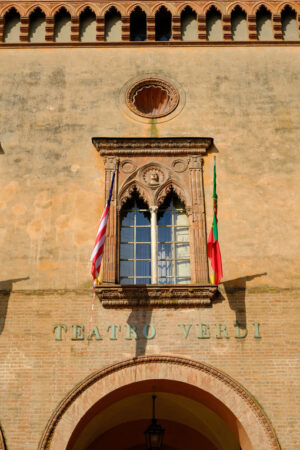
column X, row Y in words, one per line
column 196, row 404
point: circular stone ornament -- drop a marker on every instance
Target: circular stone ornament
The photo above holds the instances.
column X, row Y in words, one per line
column 152, row 98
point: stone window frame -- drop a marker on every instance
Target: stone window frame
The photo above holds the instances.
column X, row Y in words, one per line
column 178, row 163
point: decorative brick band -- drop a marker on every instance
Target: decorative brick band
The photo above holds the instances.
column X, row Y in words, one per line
column 173, row 365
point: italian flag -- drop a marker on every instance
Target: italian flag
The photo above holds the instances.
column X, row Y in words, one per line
column 213, row 249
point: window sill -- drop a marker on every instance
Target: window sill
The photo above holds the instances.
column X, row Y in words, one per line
column 124, row 296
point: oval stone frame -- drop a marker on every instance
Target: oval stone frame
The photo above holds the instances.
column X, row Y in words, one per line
column 167, row 79
column 142, row 87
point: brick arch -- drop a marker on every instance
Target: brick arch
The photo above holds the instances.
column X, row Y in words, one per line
column 244, row 7
column 2, row 441
column 118, row 7
column 67, row 7
column 194, row 7
column 282, row 5
column 269, row 7
column 42, row 7
column 255, row 429
column 169, row 7
column 90, row 6
column 18, row 8
column 143, row 6
column 219, row 7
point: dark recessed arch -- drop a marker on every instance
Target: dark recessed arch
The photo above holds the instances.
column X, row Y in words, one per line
column 138, row 25
column 163, row 24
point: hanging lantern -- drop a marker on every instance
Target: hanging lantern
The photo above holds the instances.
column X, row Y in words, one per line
column 155, row 433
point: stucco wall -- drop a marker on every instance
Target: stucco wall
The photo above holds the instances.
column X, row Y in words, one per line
column 55, row 100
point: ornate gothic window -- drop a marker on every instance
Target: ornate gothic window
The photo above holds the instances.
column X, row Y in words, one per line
column 155, row 250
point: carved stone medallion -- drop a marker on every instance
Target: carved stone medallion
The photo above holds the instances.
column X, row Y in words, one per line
column 153, row 176
column 179, row 165
column 127, row 166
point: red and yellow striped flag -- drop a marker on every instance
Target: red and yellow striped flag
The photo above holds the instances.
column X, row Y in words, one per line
column 213, row 248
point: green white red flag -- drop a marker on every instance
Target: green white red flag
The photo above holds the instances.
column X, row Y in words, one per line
column 213, row 248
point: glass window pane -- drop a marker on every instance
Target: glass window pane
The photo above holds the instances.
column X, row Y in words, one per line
column 183, row 280
column 166, row 280
column 143, row 234
column 126, row 251
column 127, row 234
column 164, row 251
column 127, row 218
column 143, row 268
column 182, row 234
column 143, row 251
column 164, row 234
column 183, row 269
column 126, row 281
column 126, row 268
column 143, row 281
column 182, row 250
column 165, row 268
column 142, row 218
column 164, row 218
column 181, row 218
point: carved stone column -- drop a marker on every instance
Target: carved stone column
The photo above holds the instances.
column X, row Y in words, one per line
column 75, row 29
column 24, row 29
column 176, row 28
column 198, row 249
column 100, row 29
column 126, row 28
column 277, row 28
column 202, row 28
column 227, row 28
column 49, row 36
column 151, row 28
column 252, row 28
column 109, row 260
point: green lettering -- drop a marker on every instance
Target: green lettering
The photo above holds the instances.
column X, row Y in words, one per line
column 131, row 329
column 78, row 333
column 221, row 328
column 95, row 333
column 58, row 329
column 113, row 335
column 184, row 330
column 203, row 331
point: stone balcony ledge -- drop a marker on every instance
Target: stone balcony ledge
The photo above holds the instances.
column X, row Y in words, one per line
column 189, row 295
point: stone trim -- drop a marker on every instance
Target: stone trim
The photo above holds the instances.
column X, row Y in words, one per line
column 175, row 363
column 118, row 296
column 151, row 146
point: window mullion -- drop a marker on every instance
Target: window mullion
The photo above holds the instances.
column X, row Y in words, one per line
column 154, row 253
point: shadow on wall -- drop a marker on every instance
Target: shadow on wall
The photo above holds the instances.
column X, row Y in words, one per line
column 5, row 291
column 236, row 292
column 137, row 320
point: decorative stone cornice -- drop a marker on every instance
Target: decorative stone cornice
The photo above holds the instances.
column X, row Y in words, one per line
column 118, row 296
column 152, row 146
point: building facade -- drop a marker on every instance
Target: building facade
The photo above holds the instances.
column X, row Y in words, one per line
column 155, row 92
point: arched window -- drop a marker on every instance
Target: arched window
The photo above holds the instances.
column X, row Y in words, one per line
column 163, row 25
column 264, row 24
column 214, row 31
column 173, row 242
column 37, row 26
column 11, row 31
column 135, row 242
column 142, row 259
column 189, row 25
column 239, row 26
column 289, row 24
column 87, row 29
column 113, row 26
column 138, row 25
column 62, row 27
